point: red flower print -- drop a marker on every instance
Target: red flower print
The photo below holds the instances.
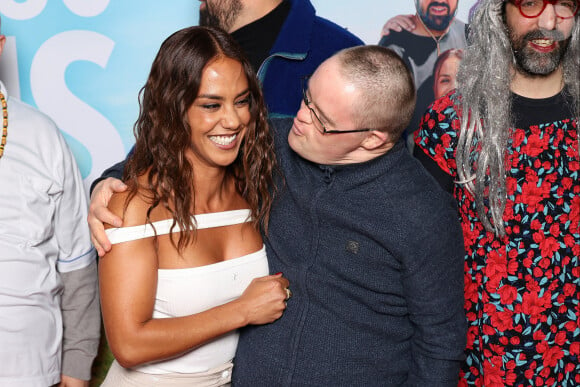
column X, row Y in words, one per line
column 488, row 330
column 535, row 145
column 536, row 225
column 542, row 347
column 470, row 288
column 510, row 378
column 545, row 262
column 446, row 140
column 560, row 338
column 549, row 246
column 529, row 373
column 518, row 137
column 575, row 348
column 502, row 321
column 569, row 241
column 532, row 195
column 511, row 185
column 534, row 306
column 569, row 289
column 496, row 269
column 555, row 230
column 539, row 335
column 493, row 376
column 431, row 124
column 498, row 350
column 551, row 356
column 508, row 294
column 575, row 214
column 566, row 183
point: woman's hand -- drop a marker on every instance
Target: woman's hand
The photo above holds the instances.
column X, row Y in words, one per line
column 264, row 300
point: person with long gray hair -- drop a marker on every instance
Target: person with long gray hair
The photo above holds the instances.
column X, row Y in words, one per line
column 506, row 145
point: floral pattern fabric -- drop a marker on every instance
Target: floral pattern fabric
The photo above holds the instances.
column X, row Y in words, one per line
column 521, row 291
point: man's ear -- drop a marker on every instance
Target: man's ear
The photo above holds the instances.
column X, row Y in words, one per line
column 375, row 139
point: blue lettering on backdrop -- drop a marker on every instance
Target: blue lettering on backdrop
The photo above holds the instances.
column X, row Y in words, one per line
column 82, row 62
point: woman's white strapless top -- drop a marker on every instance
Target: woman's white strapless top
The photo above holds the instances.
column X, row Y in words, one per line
column 182, row 292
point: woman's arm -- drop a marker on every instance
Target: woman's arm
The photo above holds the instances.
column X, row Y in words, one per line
column 128, row 282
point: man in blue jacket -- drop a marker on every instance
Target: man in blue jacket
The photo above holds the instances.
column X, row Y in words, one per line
column 370, row 243
column 372, row 248
column 284, row 40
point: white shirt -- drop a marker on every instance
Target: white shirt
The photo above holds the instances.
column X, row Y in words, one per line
column 182, row 292
column 43, row 231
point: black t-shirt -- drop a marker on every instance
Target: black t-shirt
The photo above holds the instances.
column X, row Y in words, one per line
column 526, row 112
column 258, row 37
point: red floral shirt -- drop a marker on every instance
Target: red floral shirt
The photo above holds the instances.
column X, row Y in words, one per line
column 521, row 291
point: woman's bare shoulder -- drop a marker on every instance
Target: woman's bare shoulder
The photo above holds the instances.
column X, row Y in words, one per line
column 131, row 206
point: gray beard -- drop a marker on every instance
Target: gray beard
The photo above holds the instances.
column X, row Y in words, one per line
column 531, row 62
column 222, row 15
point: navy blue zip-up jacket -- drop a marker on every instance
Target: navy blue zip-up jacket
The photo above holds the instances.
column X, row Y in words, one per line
column 374, row 256
column 304, row 42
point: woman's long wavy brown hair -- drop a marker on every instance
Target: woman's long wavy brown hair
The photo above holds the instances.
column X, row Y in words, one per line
column 163, row 135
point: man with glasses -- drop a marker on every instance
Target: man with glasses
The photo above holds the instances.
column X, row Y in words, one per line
column 506, row 143
column 370, row 243
column 371, row 247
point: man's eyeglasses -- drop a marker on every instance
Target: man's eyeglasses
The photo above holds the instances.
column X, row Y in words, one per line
column 565, row 9
column 316, row 121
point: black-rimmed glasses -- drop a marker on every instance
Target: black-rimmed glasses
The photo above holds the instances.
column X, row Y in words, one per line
column 316, row 121
column 564, row 9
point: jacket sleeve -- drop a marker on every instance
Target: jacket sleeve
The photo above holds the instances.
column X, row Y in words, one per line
column 444, row 179
column 115, row 171
column 433, row 285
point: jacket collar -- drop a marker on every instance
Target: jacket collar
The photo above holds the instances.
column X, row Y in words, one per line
column 294, row 37
column 352, row 175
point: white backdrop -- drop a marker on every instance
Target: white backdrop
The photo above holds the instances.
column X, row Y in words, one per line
column 82, row 62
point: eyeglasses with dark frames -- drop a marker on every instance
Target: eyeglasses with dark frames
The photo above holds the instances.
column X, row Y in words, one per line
column 564, row 9
column 318, row 124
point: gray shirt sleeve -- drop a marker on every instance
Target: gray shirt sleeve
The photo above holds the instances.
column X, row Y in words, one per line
column 81, row 320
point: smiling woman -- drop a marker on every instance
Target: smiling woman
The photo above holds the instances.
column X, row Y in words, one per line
column 445, row 72
column 188, row 267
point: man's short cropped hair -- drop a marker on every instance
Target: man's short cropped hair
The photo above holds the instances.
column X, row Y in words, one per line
column 385, row 85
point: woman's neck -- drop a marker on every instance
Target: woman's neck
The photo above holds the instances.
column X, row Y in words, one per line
column 214, row 190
